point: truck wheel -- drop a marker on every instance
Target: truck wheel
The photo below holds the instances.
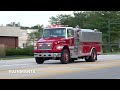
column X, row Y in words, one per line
column 39, row 60
column 65, row 56
column 92, row 57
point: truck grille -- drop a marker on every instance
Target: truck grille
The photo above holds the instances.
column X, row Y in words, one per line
column 45, row 46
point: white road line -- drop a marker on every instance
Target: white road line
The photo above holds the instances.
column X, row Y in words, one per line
column 14, row 65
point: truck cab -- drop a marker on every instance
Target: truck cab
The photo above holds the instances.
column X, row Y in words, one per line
column 52, row 43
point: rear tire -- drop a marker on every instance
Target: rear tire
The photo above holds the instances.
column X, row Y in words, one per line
column 65, row 56
column 92, row 57
column 39, row 60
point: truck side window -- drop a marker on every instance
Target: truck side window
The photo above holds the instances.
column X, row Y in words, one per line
column 70, row 33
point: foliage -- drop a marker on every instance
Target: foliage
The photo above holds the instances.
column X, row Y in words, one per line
column 22, row 27
column 20, row 51
column 93, row 20
column 35, row 35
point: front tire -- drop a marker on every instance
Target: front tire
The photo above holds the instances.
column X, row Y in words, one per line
column 65, row 56
column 39, row 60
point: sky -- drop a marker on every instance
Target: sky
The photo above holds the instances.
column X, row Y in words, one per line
column 29, row 18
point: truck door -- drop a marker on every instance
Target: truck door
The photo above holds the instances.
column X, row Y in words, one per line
column 70, row 36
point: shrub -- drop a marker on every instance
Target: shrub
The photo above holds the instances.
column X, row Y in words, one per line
column 20, row 51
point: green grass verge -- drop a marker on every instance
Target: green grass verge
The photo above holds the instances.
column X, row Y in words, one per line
column 111, row 53
column 15, row 57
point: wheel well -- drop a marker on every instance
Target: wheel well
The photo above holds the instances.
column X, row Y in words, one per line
column 93, row 48
column 66, row 47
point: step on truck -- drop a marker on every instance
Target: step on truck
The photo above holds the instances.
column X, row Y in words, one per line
column 67, row 44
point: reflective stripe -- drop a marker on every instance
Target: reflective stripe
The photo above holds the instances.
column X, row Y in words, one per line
column 84, row 54
column 99, row 52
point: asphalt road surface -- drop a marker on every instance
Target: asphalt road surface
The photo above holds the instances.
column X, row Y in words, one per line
column 106, row 67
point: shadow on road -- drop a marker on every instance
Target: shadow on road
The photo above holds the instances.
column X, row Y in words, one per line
column 58, row 62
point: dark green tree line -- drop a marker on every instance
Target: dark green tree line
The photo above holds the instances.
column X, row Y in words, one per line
column 93, row 20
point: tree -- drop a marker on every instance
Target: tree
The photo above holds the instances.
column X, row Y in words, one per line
column 93, row 20
column 35, row 35
column 35, row 27
column 61, row 19
column 22, row 27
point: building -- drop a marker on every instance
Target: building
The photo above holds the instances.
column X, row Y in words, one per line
column 9, row 36
column 12, row 36
column 24, row 34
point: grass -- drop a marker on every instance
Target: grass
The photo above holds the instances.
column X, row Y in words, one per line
column 15, row 57
column 110, row 53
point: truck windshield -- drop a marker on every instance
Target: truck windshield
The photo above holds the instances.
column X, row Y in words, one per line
column 56, row 32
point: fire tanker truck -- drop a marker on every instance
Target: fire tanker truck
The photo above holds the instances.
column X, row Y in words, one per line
column 67, row 44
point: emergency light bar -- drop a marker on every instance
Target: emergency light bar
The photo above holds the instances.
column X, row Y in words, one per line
column 55, row 26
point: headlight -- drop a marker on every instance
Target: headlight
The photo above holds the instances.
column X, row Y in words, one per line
column 59, row 47
column 56, row 42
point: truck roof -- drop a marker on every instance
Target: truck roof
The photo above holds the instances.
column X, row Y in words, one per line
column 57, row 27
column 87, row 30
column 63, row 26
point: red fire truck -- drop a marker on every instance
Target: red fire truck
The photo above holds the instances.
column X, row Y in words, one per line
column 68, row 44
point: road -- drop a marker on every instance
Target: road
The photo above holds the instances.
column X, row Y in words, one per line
column 106, row 67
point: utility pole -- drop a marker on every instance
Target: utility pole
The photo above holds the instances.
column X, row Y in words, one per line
column 109, row 47
column 119, row 43
column 33, row 38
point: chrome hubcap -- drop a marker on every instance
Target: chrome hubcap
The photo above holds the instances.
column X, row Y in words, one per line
column 66, row 57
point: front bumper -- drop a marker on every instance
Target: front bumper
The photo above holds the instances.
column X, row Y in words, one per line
column 47, row 54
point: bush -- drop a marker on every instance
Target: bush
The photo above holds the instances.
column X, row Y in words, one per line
column 20, row 51
column 113, row 48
